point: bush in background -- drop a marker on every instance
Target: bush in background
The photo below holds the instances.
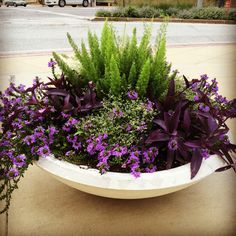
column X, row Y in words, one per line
column 180, row 11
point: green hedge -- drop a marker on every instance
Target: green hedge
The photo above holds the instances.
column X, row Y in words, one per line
column 214, row 13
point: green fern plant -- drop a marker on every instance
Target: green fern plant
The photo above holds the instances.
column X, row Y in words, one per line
column 116, row 66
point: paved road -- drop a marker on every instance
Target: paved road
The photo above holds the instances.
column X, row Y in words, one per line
column 43, row 29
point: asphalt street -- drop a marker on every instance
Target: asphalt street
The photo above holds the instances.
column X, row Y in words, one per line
column 43, row 29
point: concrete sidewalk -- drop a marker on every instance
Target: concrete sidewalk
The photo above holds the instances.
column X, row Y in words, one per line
column 44, row 206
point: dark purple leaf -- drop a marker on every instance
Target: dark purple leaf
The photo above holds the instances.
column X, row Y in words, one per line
column 67, row 105
column 156, row 136
column 186, row 121
column 171, row 89
column 186, row 82
column 193, row 144
column 58, row 92
column 212, row 125
column 170, row 159
column 196, row 162
column 223, row 168
column 167, row 120
column 175, row 120
column 161, row 123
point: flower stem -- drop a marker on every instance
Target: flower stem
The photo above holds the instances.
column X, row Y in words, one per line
column 6, row 224
column 6, row 218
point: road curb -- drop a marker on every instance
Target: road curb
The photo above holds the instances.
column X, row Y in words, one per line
column 174, row 20
column 17, row 54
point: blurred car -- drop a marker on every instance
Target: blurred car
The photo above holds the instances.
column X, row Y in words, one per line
column 62, row 3
column 15, row 3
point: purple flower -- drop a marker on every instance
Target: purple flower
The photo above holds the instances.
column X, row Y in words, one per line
column 91, row 149
column 72, row 122
column 149, row 156
column 119, row 151
column 39, row 132
column 69, row 124
column 17, row 124
column 12, row 173
column 103, row 165
column 19, row 160
column 128, row 127
column 104, row 154
column 51, row 63
column 64, row 115
column 215, row 88
column 205, row 153
column 21, row 88
column 43, row 151
column 9, row 135
column 134, row 157
column 69, row 153
column 142, row 126
column 71, row 138
column 194, row 86
column 66, row 128
column 204, row 77
column 52, row 132
column 204, row 108
column 207, row 85
column 117, row 112
column 99, row 147
column 149, row 105
column 132, row 95
column 196, row 98
column 150, row 169
column 77, row 145
column 135, row 170
column 221, row 99
column 173, row 144
column 29, row 139
column 224, row 138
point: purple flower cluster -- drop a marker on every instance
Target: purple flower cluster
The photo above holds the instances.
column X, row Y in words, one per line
column 132, row 158
column 132, row 95
column 70, row 124
column 119, row 151
column 73, row 139
column 150, row 155
column 96, row 144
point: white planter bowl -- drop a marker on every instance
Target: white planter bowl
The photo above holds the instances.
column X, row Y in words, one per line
column 123, row 185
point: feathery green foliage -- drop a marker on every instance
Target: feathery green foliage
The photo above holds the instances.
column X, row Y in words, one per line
column 132, row 76
column 71, row 74
column 142, row 83
column 160, row 68
column 115, row 77
column 117, row 65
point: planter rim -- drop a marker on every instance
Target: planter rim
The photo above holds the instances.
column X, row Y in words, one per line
column 125, row 181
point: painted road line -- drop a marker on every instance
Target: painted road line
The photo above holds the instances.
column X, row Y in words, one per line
column 56, row 13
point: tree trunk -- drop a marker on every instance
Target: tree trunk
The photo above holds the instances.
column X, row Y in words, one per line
column 199, row 3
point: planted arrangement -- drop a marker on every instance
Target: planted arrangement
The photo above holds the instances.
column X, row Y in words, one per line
column 118, row 107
